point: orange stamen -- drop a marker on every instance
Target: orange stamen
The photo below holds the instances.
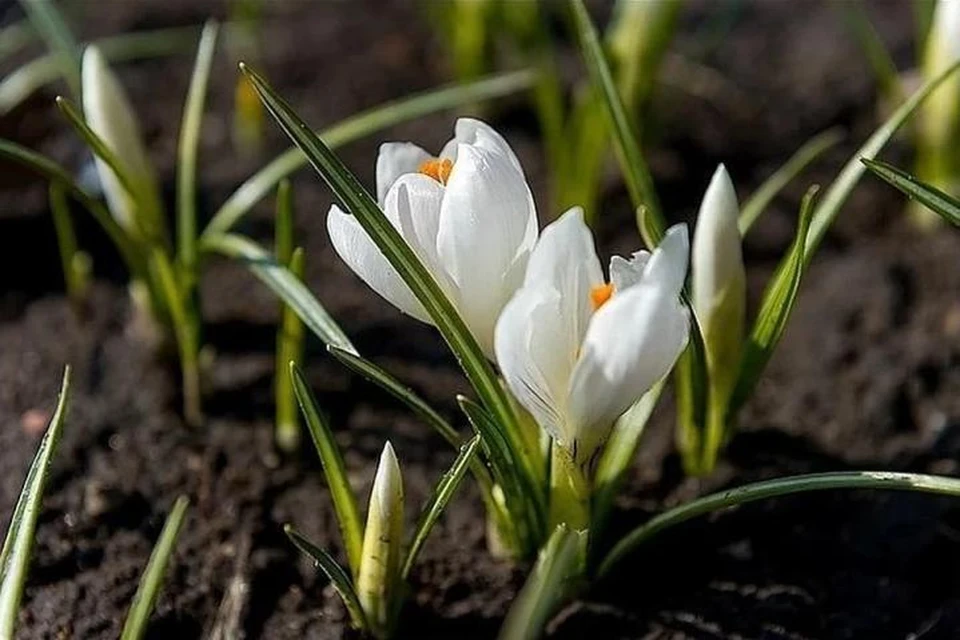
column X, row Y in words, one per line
column 600, row 294
column 437, row 169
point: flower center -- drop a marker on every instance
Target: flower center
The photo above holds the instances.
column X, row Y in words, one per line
column 600, row 294
column 437, row 169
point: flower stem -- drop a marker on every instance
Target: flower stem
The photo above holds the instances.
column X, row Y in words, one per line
column 569, row 491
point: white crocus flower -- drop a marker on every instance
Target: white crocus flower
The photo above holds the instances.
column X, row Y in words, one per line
column 108, row 112
column 719, row 283
column 469, row 216
column 577, row 352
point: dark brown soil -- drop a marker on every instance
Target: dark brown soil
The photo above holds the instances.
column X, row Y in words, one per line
column 866, row 377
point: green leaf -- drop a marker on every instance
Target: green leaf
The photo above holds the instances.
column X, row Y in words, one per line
column 18, row 543
column 290, row 346
column 53, row 172
column 358, row 126
column 634, row 167
column 555, row 576
column 286, row 285
column 338, row 577
column 442, row 495
column 398, row 390
column 76, row 264
column 619, row 453
column 187, row 152
column 24, row 81
column 152, row 579
column 939, row 202
column 764, row 195
column 836, row 196
column 775, row 309
column 883, row 480
column 344, row 502
column 50, row 24
column 355, row 199
column 14, row 37
column 871, row 45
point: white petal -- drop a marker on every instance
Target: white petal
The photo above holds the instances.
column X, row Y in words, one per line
column 944, row 38
column 717, row 256
column 626, row 273
column 355, row 247
column 565, row 259
column 478, row 133
column 534, row 363
column 394, row 160
column 631, row 343
column 108, row 112
column 668, row 262
column 484, row 234
column 419, row 219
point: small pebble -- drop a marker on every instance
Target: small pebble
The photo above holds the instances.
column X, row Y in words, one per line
column 34, row 422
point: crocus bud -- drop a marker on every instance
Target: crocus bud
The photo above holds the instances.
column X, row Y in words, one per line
column 109, row 114
column 379, row 572
column 719, row 283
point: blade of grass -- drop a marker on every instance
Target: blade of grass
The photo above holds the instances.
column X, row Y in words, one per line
column 287, row 286
column 635, row 170
column 75, row 263
column 187, row 154
column 775, row 309
column 24, row 81
column 344, row 501
column 18, row 543
column 936, row 200
column 882, row 480
column 49, row 23
column 152, row 580
column 14, row 37
column 355, row 127
column 553, row 579
column 341, row 582
column 764, row 195
column 836, row 196
column 55, row 173
column 442, row 495
column 881, row 63
column 290, row 334
column 355, row 199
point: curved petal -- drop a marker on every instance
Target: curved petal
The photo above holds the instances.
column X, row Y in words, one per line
column 355, row 247
column 631, row 343
column 565, row 259
column 419, row 218
column 394, row 160
column 477, row 133
column 668, row 262
column 483, row 231
column 534, row 365
column 626, row 273
column 109, row 113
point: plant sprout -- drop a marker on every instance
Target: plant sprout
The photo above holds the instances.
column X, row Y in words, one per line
column 937, row 130
column 165, row 270
column 378, row 560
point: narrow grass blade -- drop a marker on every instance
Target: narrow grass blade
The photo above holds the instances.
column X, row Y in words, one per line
column 339, row 578
column 24, row 81
column 55, row 173
column 775, row 309
column 283, row 283
column 14, row 37
column 881, row 63
column 290, row 345
column 355, row 127
column 398, row 390
column 187, row 153
column 936, row 200
column 554, row 577
column 883, row 480
column 153, row 575
column 836, row 196
column 764, row 195
column 344, row 502
column 618, row 454
column 364, row 208
column 50, row 24
column 442, row 495
column 18, row 543
column 635, row 170
column 76, row 264
column 524, row 500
